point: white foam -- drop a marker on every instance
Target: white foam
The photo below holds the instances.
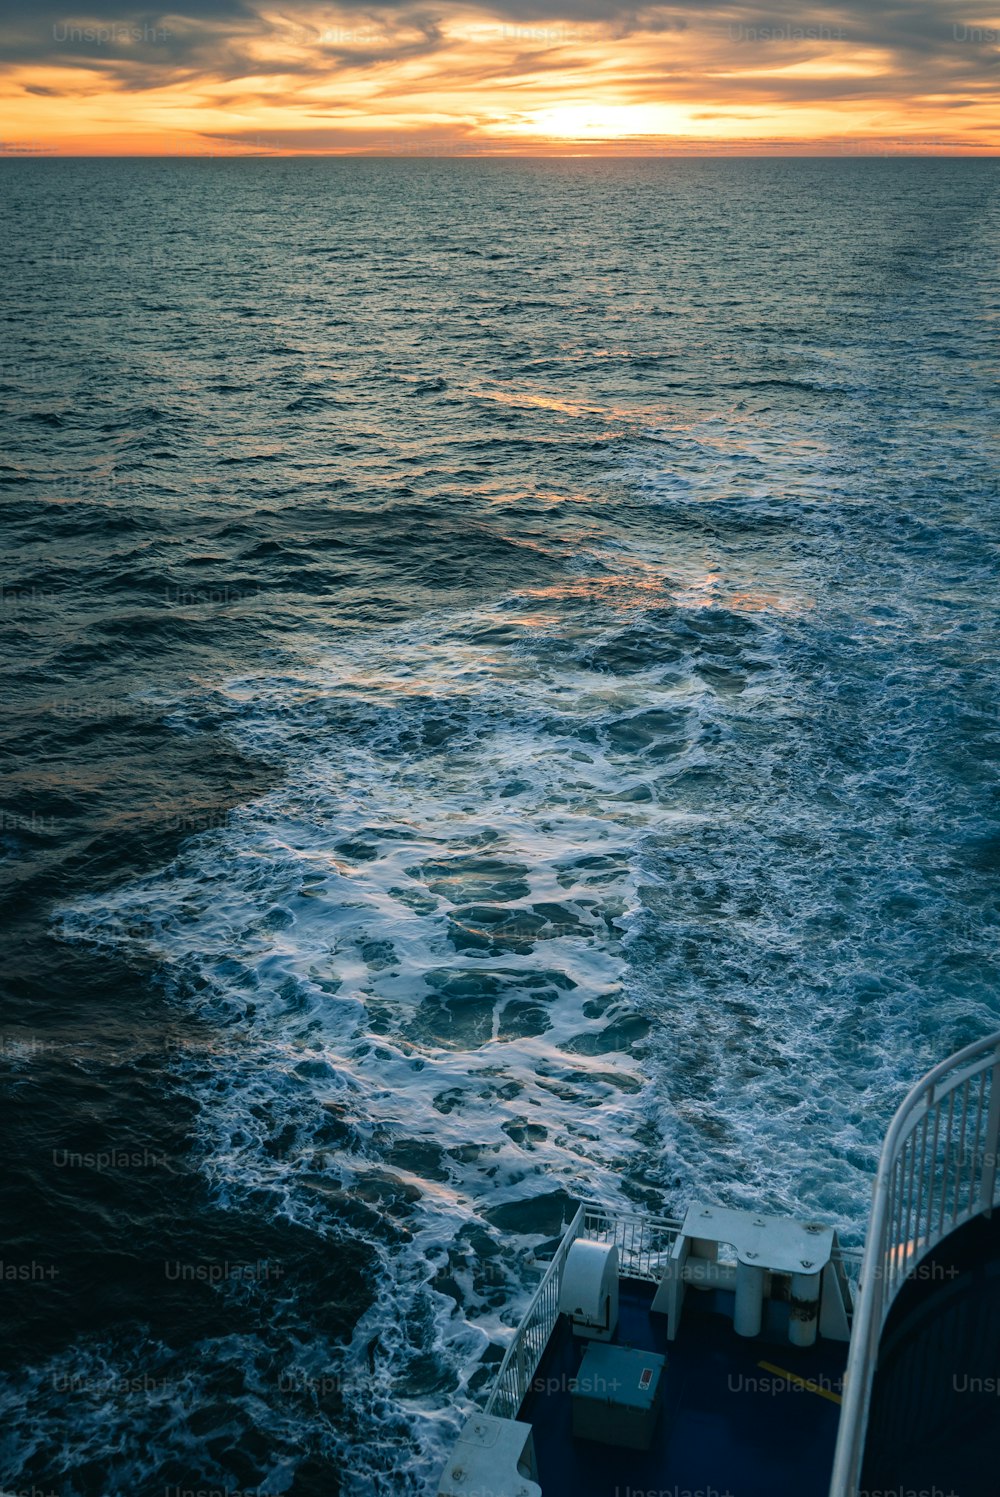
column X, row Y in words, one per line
column 431, row 783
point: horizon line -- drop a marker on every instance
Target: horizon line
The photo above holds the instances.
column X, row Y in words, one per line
column 945, row 154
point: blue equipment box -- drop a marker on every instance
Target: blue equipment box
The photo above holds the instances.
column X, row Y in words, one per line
column 616, row 1395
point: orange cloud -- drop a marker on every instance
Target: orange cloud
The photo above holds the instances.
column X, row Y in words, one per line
column 232, row 78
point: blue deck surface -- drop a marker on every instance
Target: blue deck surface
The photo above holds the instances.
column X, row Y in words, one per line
column 728, row 1425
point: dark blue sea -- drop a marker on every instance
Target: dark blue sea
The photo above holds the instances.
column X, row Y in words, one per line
column 500, row 669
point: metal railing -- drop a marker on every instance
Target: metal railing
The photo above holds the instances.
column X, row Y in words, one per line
column 938, row 1170
column 643, row 1245
column 643, row 1242
column 532, row 1335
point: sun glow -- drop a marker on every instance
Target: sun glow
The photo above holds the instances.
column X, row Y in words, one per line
column 593, row 120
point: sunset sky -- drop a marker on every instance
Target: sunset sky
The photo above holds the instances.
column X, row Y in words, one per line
column 509, row 77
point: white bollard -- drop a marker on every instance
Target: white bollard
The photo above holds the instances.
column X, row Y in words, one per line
column 749, row 1308
column 805, row 1309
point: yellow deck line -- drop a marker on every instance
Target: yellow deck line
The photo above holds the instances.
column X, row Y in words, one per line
column 801, row 1381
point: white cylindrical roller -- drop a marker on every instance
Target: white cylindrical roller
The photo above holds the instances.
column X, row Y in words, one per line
column 749, row 1308
column 805, row 1309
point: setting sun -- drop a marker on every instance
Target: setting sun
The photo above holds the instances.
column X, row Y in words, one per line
column 597, row 121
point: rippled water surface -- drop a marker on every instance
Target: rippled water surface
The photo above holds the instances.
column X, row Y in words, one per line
column 501, row 673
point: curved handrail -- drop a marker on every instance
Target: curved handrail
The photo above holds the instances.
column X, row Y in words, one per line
column 915, row 1205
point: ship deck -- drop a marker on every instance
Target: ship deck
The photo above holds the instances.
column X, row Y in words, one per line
column 747, row 1418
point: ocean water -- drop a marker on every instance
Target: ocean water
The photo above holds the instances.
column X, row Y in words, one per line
column 500, row 668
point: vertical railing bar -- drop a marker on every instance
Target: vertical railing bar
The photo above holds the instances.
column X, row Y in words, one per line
column 946, row 1166
column 974, row 1165
column 898, row 1245
column 960, row 1158
column 889, row 1234
column 993, row 1135
column 897, row 1211
column 957, row 1157
column 934, row 1169
column 913, row 1233
column 970, row 1161
column 922, row 1175
column 910, row 1187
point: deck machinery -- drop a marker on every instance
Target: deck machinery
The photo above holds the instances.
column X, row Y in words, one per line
column 733, row 1352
